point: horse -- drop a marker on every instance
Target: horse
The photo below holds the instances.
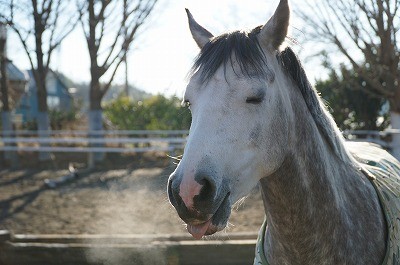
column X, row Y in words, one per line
column 257, row 120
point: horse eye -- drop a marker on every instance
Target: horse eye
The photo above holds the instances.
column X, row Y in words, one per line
column 254, row 100
column 186, row 103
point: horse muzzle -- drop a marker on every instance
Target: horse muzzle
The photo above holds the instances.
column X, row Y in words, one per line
column 200, row 201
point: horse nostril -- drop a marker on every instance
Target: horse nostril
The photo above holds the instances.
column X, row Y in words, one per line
column 208, row 188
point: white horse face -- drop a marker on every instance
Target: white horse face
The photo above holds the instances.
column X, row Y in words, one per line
column 238, row 132
column 234, row 120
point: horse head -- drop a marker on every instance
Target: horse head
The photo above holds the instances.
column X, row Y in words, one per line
column 239, row 110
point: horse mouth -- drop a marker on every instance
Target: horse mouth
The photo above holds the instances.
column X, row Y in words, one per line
column 215, row 223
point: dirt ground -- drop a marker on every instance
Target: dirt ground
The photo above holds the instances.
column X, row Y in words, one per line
column 129, row 198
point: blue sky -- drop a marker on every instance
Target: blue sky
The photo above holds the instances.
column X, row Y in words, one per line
column 163, row 53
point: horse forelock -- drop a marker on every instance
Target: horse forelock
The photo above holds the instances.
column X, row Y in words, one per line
column 242, row 45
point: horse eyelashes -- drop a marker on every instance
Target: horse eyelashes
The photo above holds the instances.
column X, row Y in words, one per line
column 254, row 100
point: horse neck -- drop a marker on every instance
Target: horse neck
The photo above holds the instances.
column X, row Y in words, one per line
column 313, row 201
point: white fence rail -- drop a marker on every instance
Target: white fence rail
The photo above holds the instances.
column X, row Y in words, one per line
column 382, row 138
column 104, row 132
column 93, row 141
column 124, row 141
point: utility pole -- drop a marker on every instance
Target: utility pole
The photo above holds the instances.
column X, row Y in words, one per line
column 126, row 77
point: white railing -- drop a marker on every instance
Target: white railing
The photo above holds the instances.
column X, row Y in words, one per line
column 104, row 132
column 93, row 141
column 381, row 138
column 124, row 141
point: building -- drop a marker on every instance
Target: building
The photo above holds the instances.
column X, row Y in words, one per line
column 58, row 97
column 17, row 82
column 16, row 87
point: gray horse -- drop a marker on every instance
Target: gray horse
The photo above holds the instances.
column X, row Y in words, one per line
column 256, row 119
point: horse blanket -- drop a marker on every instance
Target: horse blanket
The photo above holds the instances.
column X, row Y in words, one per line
column 383, row 171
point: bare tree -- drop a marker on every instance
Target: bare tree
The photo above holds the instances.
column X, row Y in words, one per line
column 41, row 26
column 365, row 32
column 6, row 123
column 3, row 70
column 110, row 27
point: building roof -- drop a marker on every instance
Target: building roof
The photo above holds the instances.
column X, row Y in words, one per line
column 51, row 75
column 14, row 74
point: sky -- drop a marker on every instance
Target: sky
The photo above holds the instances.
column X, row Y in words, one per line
column 163, row 54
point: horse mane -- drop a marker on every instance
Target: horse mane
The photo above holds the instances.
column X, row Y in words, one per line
column 247, row 51
column 324, row 121
column 243, row 45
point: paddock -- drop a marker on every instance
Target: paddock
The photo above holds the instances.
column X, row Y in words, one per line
column 41, row 229
column 92, row 220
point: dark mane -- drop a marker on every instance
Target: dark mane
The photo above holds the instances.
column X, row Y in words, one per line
column 241, row 44
column 292, row 65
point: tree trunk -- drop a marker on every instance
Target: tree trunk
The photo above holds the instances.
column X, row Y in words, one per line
column 6, row 125
column 43, row 123
column 42, row 119
column 3, row 74
column 95, row 117
column 41, row 91
column 9, row 156
column 395, row 122
column 40, row 78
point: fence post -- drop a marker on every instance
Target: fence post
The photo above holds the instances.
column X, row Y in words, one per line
column 5, row 236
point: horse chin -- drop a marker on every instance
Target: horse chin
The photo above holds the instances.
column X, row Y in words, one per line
column 212, row 229
column 204, row 229
column 215, row 223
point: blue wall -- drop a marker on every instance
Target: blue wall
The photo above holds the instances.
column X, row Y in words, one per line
column 57, row 97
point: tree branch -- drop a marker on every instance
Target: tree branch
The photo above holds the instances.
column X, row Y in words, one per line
column 362, row 72
column 107, row 86
column 370, row 28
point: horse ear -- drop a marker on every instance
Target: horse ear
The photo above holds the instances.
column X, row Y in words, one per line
column 200, row 34
column 273, row 33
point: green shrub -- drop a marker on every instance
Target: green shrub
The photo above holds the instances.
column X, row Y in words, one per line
column 58, row 119
column 153, row 113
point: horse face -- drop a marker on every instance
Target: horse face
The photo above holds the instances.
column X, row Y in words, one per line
column 237, row 136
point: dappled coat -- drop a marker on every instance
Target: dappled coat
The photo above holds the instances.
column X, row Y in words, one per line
column 384, row 174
